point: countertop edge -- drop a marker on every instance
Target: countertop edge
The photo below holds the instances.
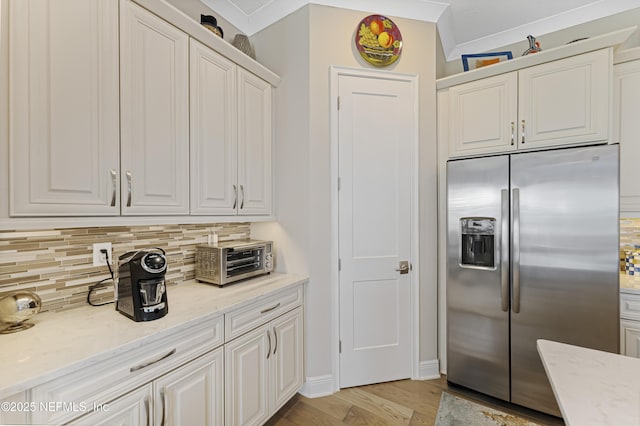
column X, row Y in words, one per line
column 592, row 387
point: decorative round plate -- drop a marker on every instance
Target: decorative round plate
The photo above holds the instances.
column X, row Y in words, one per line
column 378, row 40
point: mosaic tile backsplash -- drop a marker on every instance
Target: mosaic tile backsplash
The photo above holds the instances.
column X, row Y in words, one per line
column 629, row 237
column 57, row 263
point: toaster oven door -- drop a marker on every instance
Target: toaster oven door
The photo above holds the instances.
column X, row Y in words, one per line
column 244, row 262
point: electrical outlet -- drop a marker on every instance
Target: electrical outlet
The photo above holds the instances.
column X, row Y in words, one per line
column 99, row 258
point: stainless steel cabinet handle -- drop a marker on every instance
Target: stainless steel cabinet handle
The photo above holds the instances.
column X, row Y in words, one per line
column 114, row 182
column 275, row 344
column 264, row 311
column 513, row 133
column 522, row 131
column 128, row 174
column 242, row 193
column 235, row 196
column 504, row 251
column 146, row 408
column 163, row 396
column 146, row 364
column 269, row 350
column 516, row 250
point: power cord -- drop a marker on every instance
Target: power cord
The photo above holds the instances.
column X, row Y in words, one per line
column 101, row 283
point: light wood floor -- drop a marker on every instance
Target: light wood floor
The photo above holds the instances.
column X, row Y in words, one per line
column 405, row 402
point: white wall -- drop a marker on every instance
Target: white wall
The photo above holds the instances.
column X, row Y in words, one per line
column 321, row 37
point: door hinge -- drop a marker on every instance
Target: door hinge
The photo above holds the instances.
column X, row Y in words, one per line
column 339, row 346
column 339, row 184
column 338, row 102
column 339, row 264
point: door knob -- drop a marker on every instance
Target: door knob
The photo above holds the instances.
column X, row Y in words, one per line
column 403, row 267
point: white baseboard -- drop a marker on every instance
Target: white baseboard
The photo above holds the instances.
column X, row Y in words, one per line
column 315, row 387
column 429, row 370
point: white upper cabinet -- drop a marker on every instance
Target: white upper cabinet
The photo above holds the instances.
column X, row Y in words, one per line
column 564, row 102
column 230, row 137
column 483, row 115
column 131, row 108
column 214, row 144
column 254, row 145
column 63, row 110
column 154, row 97
column 626, row 130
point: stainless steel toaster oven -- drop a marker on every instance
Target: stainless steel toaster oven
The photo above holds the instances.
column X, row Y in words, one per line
column 232, row 261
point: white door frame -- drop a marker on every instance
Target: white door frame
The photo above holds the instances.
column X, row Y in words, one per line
column 335, row 73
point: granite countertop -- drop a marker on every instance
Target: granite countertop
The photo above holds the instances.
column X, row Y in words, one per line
column 629, row 283
column 62, row 342
column 592, row 387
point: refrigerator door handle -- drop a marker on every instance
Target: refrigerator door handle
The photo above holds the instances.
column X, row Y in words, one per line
column 504, row 250
column 515, row 235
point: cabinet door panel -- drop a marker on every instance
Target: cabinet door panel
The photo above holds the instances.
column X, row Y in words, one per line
column 64, row 107
column 155, row 114
column 565, row 101
column 213, row 132
column 626, row 128
column 287, row 362
column 16, row 417
column 132, row 409
column 482, row 116
column 247, row 378
column 192, row 394
column 254, row 144
column 630, row 338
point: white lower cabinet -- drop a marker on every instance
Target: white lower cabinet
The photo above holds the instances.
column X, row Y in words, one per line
column 193, row 394
column 110, row 379
column 199, row 375
column 264, row 369
column 630, row 324
column 630, row 338
column 189, row 395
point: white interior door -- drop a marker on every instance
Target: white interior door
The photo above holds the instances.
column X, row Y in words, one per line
column 376, row 130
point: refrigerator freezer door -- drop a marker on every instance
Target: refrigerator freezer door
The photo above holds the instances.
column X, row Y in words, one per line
column 565, row 236
column 477, row 284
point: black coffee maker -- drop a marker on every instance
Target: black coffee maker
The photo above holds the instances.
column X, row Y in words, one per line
column 141, row 290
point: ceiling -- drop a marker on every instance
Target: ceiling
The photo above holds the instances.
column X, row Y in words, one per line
column 465, row 26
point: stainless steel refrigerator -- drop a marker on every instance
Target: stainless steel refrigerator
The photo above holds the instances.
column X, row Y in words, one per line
column 532, row 253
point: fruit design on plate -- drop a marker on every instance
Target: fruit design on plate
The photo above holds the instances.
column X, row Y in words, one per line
column 378, row 40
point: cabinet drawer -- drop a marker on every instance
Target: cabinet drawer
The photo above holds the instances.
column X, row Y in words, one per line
column 630, row 306
column 255, row 314
column 102, row 382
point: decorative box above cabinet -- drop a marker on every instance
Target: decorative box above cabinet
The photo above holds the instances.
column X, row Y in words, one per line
column 563, row 102
column 63, row 108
